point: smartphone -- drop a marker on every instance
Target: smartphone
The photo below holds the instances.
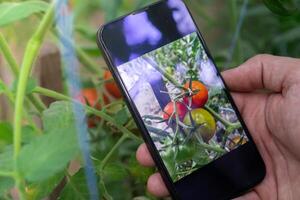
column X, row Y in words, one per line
column 179, row 101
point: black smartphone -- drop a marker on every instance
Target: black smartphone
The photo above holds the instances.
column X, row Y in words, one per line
column 179, row 101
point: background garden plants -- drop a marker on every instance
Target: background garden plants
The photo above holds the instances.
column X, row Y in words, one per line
column 40, row 153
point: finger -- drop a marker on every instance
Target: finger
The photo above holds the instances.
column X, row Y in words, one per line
column 263, row 72
column 156, row 186
column 143, row 156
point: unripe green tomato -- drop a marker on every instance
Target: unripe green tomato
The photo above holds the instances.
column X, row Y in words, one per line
column 202, row 117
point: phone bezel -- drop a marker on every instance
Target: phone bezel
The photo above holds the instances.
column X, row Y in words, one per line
column 145, row 134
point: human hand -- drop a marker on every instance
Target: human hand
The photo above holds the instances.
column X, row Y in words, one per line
column 266, row 90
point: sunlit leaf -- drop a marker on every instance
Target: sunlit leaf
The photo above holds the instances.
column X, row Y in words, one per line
column 50, row 153
column 14, row 11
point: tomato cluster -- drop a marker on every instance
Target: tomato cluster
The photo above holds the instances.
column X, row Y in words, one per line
column 196, row 97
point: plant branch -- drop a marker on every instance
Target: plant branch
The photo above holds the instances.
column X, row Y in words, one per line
column 112, row 151
column 103, row 115
column 29, row 58
column 212, row 148
column 14, row 67
column 225, row 122
column 9, row 56
column 163, row 72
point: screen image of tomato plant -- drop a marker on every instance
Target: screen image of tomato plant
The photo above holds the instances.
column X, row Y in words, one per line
column 184, row 106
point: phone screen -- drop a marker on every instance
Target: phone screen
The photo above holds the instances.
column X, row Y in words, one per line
column 184, row 105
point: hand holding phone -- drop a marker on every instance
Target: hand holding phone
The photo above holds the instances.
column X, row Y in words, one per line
column 244, row 81
column 181, row 104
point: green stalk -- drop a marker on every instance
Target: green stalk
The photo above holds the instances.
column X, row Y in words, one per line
column 112, row 151
column 37, row 102
column 12, row 62
column 8, row 55
column 87, row 62
column 225, row 122
column 212, row 148
column 164, row 73
column 30, row 56
column 101, row 114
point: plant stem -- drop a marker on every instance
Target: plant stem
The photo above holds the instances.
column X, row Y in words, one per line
column 212, row 148
column 112, row 151
column 8, row 55
column 163, row 72
column 30, row 56
column 12, row 62
column 37, row 102
column 103, row 115
column 87, row 62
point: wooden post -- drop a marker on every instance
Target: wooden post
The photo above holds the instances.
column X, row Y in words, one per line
column 49, row 70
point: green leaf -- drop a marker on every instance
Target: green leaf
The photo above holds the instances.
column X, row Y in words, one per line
column 6, row 133
column 122, row 116
column 115, row 172
column 12, row 11
column 186, row 152
column 28, row 134
column 6, row 159
column 58, row 116
column 76, row 188
column 50, row 153
column 31, row 85
column 47, row 155
column 284, row 8
column 5, row 184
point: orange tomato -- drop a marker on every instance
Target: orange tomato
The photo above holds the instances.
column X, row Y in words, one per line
column 169, row 110
column 111, row 87
column 89, row 96
column 200, row 98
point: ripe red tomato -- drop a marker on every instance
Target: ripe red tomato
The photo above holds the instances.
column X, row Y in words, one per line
column 169, row 110
column 200, row 98
column 111, row 87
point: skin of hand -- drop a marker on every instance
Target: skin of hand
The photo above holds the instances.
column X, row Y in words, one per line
column 266, row 90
